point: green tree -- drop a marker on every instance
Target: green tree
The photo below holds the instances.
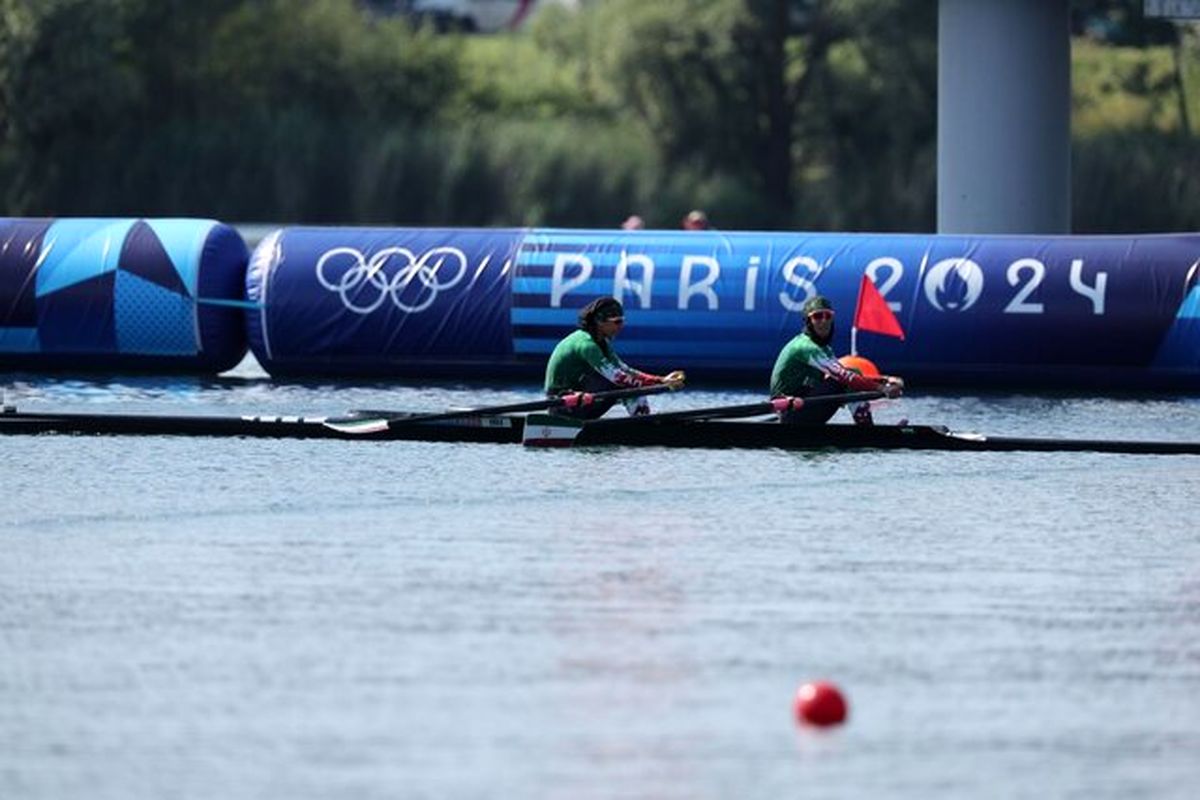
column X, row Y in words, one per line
column 802, row 114
column 68, row 83
column 775, row 94
column 222, row 107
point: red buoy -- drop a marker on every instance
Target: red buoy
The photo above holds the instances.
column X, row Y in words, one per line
column 820, row 703
column 863, row 366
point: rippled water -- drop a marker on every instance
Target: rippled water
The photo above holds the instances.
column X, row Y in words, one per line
column 199, row 618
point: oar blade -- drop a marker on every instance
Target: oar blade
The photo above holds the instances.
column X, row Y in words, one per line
column 548, row 430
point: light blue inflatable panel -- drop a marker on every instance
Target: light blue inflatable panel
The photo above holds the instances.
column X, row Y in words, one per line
column 121, row 294
column 1071, row 311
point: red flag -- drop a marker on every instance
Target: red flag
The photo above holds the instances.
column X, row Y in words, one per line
column 873, row 313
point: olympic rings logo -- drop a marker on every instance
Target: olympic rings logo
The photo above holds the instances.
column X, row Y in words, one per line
column 365, row 284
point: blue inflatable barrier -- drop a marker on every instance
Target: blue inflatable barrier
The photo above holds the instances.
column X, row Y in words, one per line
column 1116, row 312
column 378, row 302
column 121, row 294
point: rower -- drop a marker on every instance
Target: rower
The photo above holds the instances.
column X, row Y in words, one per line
column 585, row 361
column 807, row 367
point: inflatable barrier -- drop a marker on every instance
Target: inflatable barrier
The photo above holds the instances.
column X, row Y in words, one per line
column 1116, row 312
column 121, row 294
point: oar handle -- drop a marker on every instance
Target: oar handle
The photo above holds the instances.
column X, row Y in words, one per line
column 796, row 403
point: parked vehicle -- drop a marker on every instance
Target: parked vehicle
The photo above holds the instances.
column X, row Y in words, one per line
column 482, row 16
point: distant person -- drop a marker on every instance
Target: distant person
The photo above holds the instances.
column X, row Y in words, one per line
column 696, row 220
column 585, row 362
column 807, row 367
column 633, row 223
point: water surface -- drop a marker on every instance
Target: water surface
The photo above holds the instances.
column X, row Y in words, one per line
column 198, row 618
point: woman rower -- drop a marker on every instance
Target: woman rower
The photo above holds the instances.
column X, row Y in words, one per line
column 807, row 367
column 585, row 361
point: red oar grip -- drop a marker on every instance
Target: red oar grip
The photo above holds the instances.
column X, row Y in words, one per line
column 781, row 404
column 577, row 399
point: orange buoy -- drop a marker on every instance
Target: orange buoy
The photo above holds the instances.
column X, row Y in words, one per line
column 820, row 703
column 863, row 366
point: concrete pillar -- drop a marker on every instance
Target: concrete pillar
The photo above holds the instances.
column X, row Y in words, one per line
column 1004, row 116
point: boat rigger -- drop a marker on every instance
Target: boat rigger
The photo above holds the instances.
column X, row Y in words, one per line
column 670, row 431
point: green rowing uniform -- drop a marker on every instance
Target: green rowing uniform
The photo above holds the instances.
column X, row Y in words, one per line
column 803, row 365
column 578, row 358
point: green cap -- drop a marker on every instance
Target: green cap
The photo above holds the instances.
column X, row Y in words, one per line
column 816, row 303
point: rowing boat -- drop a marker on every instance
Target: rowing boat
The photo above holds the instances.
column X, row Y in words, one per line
column 631, row 432
column 502, row 429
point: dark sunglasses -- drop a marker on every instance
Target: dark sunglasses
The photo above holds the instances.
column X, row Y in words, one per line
column 821, row 315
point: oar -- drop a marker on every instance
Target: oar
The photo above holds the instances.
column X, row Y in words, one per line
column 775, row 405
column 549, row 431
column 375, row 424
